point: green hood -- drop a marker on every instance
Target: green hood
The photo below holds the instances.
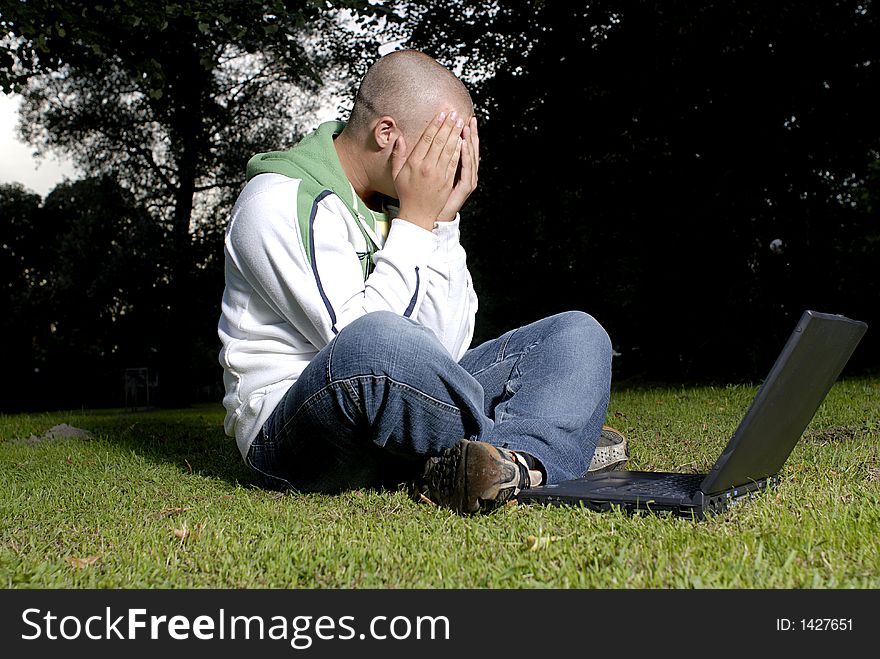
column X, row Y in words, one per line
column 313, row 158
column 315, row 163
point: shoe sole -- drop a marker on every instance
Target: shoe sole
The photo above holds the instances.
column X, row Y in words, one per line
column 463, row 466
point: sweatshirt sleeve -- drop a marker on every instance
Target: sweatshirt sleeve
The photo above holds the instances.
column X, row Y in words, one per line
column 449, row 306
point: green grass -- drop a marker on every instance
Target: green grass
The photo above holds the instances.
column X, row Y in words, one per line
column 162, row 499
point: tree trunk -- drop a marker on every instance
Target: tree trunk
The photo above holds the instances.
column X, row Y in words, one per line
column 176, row 385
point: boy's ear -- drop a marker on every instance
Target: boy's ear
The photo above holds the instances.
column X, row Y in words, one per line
column 385, row 132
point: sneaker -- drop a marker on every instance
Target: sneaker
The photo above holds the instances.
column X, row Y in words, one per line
column 612, row 451
column 473, row 477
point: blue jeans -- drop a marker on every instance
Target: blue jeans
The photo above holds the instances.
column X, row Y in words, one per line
column 385, row 394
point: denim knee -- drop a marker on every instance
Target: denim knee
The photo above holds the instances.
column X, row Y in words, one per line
column 380, row 342
column 581, row 331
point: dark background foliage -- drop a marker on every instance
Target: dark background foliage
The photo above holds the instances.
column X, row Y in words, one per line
column 642, row 158
column 695, row 175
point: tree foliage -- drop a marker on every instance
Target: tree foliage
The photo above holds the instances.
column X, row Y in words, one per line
column 84, row 269
column 21, row 262
column 170, row 99
column 692, row 175
column 695, row 176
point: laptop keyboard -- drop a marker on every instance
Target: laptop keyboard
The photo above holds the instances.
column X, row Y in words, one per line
column 669, row 485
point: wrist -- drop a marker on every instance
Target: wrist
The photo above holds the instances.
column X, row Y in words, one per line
column 419, row 219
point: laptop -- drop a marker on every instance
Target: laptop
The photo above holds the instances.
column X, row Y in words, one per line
column 812, row 359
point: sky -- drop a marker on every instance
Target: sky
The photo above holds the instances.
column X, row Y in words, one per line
column 17, row 161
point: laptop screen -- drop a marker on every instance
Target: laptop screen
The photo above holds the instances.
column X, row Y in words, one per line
column 811, row 361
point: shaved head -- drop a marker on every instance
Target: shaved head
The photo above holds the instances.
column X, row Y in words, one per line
column 397, row 100
column 411, row 87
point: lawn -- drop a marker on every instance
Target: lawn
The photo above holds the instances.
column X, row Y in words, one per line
column 162, row 499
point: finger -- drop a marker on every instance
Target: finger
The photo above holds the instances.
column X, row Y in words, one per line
column 398, row 155
column 454, row 160
column 427, row 139
column 470, row 158
column 467, row 162
column 475, row 142
column 447, row 138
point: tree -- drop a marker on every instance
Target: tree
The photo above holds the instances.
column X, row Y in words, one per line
column 170, row 99
column 103, row 280
column 21, row 264
column 640, row 159
column 84, row 269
